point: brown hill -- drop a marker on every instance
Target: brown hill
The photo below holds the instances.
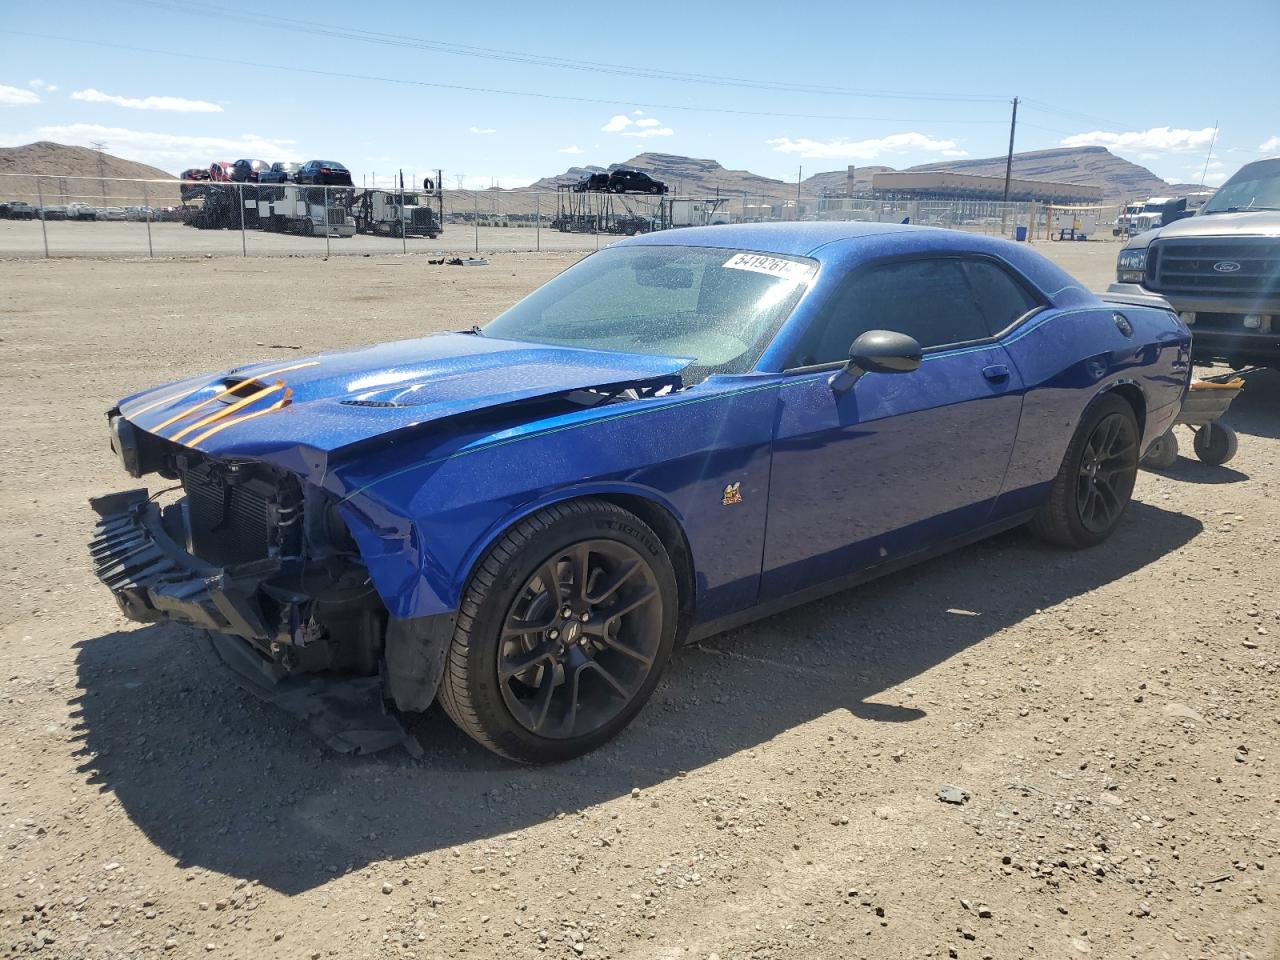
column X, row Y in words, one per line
column 1119, row 179
column 687, row 176
column 57, row 164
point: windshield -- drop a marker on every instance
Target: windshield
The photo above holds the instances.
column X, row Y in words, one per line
column 718, row 307
column 1254, row 187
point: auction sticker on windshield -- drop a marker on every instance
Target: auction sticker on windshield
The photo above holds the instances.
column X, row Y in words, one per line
column 773, row 266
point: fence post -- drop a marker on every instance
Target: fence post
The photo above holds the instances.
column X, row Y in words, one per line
column 475, row 217
column 146, row 203
column 326, row 222
column 537, row 219
column 43, row 229
column 244, row 247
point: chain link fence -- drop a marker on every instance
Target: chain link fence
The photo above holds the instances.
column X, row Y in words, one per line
column 58, row 216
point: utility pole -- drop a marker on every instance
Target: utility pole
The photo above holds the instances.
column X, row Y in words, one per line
column 1008, row 163
column 102, row 160
column 799, row 176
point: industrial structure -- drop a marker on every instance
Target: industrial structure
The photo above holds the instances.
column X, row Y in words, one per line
column 937, row 185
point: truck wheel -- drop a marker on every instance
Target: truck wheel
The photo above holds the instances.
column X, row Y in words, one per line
column 1095, row 482
column 1215, row 443
column 1163, row 452
column 564, row 630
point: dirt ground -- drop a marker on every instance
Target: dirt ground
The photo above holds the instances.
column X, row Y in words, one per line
column 1112, row 714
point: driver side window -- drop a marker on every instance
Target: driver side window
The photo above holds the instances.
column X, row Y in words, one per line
column 926, row 299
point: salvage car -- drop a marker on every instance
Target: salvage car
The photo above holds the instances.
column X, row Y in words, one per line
column 634, row 181
column 681, row 433
column 327, row 173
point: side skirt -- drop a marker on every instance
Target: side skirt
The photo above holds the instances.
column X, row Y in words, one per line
column 701, row 631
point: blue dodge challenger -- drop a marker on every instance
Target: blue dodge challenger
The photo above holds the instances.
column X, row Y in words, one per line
column 681, row 433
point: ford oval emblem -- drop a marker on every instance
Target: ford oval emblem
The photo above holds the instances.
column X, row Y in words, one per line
column 1226, row 266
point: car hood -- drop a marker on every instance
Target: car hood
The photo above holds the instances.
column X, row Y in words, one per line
column 1257, row 223
column 338, row 399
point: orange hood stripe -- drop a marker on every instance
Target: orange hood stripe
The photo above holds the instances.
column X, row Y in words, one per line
column 282, row 402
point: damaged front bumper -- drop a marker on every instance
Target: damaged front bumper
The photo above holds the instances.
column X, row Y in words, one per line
column 139, row 555
column 154, row 578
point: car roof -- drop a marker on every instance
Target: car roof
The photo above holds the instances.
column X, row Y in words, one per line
column 845, row 244
column 789, row 239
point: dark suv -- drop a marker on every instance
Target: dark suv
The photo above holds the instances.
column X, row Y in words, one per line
column 633, row 181
column 324, row 173
column 280, row 173
column 593, row 181
column 1219, row 268
column 248, row 171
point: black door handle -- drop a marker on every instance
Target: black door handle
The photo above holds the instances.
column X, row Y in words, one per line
column 996, row 373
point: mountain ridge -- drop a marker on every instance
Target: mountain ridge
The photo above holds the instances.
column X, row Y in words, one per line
column 1119, row 179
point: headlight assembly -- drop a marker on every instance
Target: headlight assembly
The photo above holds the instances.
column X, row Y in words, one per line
column 1131, row 267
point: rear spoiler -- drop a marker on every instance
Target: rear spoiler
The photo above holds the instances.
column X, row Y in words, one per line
column 1138, row 300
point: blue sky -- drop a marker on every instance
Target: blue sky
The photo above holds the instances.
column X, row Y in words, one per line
column 506, row 93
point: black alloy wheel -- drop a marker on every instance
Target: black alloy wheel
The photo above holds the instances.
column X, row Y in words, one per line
column 1094, row 484
column 1106, row 474
column 580, row 639
column 563, row 632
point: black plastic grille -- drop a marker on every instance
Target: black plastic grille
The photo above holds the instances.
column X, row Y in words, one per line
column 1245, row 266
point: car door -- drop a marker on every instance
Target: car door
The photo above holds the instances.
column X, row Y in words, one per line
column 904, row 460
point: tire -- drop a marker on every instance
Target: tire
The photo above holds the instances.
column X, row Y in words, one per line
column 562, row 687
column 1163, row 452
column 1095, row 482
column 1215, row 444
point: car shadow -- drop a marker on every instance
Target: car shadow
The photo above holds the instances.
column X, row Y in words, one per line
column 220, row 780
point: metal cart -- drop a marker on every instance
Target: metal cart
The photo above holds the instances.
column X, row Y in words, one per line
column 1205, row 403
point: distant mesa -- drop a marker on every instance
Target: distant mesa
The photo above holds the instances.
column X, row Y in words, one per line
column 1119, row 179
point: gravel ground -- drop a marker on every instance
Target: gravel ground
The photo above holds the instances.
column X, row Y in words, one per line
column 1110, row 716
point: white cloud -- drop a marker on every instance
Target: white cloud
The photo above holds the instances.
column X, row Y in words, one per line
column 841, row 149
column 168, row 151
column 17, row 97
column 41, row 85
column 170, row 104
column 572, row 149
column 1167, row 139
column 645, row 127
column 481, row 130
column 1270, row 146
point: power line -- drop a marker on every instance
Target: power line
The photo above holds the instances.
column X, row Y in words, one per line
column 311, row 71
column 315, row 28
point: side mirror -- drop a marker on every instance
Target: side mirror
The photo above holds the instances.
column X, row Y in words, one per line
column 876, row 351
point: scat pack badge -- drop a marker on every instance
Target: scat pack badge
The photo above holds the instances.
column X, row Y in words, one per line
column 732, row 494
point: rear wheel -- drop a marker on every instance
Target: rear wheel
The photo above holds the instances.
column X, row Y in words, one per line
column 563, row 633
column 1095, row 482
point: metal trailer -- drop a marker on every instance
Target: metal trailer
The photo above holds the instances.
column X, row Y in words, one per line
column 306, row 210
column 1204, row 406
column 598, row 211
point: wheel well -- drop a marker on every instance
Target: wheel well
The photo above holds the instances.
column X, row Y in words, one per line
column 1133, row 394
column 669, row 531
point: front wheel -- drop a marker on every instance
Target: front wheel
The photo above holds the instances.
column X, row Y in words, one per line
column 563, row 633
column 1095, row 482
